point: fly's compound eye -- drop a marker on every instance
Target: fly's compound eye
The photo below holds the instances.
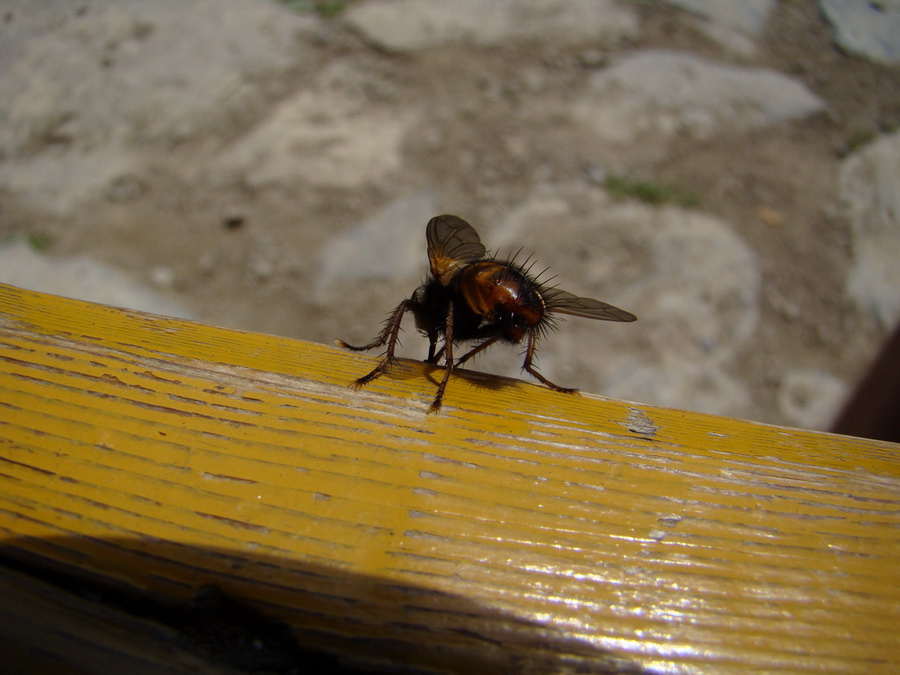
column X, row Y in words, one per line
column 520, row 322
column 517, row 326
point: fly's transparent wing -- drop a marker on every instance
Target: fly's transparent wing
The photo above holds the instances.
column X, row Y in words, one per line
column 452, row 244
column 562, row 302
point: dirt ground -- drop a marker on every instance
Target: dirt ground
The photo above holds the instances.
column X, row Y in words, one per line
column 236, row 255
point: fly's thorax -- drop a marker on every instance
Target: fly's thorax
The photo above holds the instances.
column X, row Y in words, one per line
column 420, row 295
column 503, row 294
column 429, row 304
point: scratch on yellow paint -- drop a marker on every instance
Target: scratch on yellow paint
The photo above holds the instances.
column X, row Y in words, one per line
column 518, row 526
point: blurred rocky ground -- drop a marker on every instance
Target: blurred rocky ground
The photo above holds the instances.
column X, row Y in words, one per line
column 728, row 170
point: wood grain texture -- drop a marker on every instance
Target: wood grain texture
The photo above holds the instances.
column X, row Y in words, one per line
column 520, row 529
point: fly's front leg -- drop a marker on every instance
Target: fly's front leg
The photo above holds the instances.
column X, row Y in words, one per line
column 447, row 350
column 387, row 336
column 529, row 358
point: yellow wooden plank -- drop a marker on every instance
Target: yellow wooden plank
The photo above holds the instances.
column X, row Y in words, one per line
column 517, row 528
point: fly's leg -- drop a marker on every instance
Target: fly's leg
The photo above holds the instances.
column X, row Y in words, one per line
column 529, row 358
column 479, row 348
column 390, row 330
column 387, row 336
column 432, row 343
column 447, row 351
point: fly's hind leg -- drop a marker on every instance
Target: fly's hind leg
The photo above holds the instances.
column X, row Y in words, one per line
column 531, row 370
column 387, row 336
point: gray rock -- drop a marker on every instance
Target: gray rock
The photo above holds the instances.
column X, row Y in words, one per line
column 654, row 95
column 810, row 398
column 696, row 328
column 411, row 25
column 87, row 84
column 322, row 136
column 56, row 181
column 82, row 278
column 865, row 28
column 692, row 328
column 746, row 16
column 869, row 198
column 734, row 24
column 390, row 245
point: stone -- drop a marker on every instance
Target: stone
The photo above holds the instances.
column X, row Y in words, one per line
column 811, row 398
column 866, row 28
column 389, row 245
column 658, row 94
column 322, row 137
column 87, row 84
column 746, row 16
column 869, row 198
column 82, row 278
column 691, row 330
column 412, row 25
column 734, row 24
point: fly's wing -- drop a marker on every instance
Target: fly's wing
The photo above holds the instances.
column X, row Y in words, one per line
column 567, row 303
column 452, row 244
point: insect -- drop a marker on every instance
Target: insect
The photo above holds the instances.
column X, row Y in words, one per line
column 473, row 296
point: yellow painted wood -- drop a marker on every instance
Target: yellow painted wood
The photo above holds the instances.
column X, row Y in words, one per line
column 519, row 528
